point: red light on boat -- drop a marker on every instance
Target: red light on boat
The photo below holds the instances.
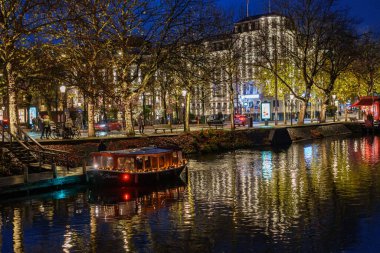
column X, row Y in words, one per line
column 126, row 196
column 126, row 177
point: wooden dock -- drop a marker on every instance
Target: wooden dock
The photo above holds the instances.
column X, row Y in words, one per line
column 41, row 181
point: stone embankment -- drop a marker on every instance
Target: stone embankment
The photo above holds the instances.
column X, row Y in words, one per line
column 204, row 141
column 211, row 140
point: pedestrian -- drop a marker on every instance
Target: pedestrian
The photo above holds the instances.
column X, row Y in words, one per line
column 34, row 124
column 68, row 127
column 46, row 127
column 102, row 146
column 78, row 122
column 39, row 123
column 140, row 123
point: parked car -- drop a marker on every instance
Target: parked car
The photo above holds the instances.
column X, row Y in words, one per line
column 240, row 120
column 109, row 125
column 5, row 123
column 215, row 119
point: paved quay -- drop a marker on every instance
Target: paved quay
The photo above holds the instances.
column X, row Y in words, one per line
column 178, row 129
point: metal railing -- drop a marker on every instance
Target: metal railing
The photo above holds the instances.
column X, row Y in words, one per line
column 41, row 154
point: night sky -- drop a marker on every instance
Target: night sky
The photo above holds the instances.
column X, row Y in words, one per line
column 366, row 11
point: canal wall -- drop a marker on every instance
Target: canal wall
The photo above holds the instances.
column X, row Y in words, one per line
column 309, row 132
column 211, row 140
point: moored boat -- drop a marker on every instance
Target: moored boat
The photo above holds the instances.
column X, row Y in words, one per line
column 137, row 167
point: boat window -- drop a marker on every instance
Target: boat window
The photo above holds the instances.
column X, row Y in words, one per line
column 126, row 163
column 175, row 158
column 147, row 162
column 121, row 163
column 162, row 162
column 180, row 156
column 109, row 163
column 98, row 162
column 154, row 162
column 139, row 162
column 132, row 163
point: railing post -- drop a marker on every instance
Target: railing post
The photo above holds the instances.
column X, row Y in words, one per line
column 84, row 169
column 54, row 169
column 40, row 159
column 26, row 175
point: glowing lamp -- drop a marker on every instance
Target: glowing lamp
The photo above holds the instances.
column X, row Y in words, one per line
column 126, row 196
column 62, row 89
column 126, row 177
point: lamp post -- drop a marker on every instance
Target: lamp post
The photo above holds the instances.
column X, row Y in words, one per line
column 184, row 92
column 62, row 89
column 334, row 97
column 291, row 108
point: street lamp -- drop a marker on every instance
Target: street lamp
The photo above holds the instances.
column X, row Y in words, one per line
column 184, row 92
column 291, row 108
column 334, row 97
column 62, row 89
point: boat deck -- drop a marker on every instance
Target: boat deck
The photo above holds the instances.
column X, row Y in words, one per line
column 13, row 184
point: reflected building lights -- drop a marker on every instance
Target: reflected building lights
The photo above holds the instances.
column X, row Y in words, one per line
column 17, row 231
column 266, row 157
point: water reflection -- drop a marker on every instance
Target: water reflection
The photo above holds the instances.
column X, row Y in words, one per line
column 321, row 196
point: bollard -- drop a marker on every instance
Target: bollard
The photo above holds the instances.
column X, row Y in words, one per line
column 54, row 169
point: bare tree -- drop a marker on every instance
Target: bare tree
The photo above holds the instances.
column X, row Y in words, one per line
column 367, row 65
column 22, row 23
column 296, row 40
column 340, row 52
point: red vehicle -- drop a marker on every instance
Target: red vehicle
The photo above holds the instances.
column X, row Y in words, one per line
column 109, row 125
column 240, row 120
column 5, row 123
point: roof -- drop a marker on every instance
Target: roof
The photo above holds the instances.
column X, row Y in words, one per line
column 366, row 100
column 250, row 18
column 138, row 151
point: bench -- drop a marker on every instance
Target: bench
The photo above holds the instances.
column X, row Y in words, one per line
column 163, row 128
column 353, row 119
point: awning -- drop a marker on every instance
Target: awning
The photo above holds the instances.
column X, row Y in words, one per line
column 366, row 101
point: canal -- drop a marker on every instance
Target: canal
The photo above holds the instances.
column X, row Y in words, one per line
column 320, row 196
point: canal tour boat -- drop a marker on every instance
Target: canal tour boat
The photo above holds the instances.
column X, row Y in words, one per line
column 136, row 167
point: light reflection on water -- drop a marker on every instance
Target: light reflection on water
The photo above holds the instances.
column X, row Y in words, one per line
column 322, row 196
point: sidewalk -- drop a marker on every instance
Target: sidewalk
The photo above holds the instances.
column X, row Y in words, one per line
column 149, row 130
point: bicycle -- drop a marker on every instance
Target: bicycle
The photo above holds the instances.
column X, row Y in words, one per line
column 76, row 133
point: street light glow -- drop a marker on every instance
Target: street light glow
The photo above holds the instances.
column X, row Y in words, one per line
column 62, row 88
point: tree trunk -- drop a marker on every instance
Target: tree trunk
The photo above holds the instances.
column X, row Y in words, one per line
column 12, row 98
column 153, row 106
column 186, row 123
column 302, row 113
column 129, row 130
column 232, row 107
column 323, row 111
column 345, row 114
column 285, row 111
column 164, row 105
column 91, row 117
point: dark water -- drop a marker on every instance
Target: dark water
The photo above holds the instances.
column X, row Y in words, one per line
column 322, row 196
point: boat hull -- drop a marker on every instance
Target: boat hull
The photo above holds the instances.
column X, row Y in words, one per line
column 114, row 178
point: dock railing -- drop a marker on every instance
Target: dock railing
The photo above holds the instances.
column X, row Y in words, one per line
column 36, row 150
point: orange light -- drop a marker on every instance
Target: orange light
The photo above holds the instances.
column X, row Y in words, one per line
column 126, row 196
column 126, row 177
